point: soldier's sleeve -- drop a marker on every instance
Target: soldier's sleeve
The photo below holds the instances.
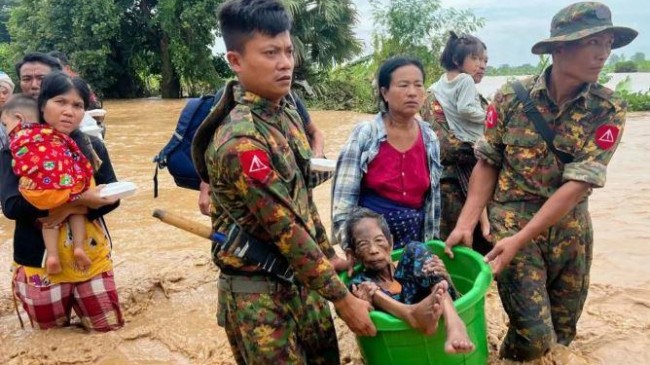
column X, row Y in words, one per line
column 490, row 146
column 590, row 163
column 452, row 150
column 244, row 164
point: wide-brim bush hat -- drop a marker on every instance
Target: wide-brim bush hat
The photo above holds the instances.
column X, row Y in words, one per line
column 581, row 20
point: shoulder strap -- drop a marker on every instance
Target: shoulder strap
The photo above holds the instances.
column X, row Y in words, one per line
column 534, row 116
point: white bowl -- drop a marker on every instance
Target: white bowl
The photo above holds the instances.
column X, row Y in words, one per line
column 120, row 189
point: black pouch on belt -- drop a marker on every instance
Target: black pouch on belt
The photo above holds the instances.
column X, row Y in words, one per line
column 241, row 244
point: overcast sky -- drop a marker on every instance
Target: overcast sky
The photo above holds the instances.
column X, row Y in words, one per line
column 513, row 26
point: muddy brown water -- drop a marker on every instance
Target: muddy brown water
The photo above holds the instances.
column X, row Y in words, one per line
column 167, row 284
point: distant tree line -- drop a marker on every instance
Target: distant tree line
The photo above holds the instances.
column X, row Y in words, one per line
column 130, row 48
column 616, row 63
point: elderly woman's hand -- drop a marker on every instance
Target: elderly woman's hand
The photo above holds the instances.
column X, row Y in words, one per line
column 93, row 200
column 365, row 290
column 434, row 265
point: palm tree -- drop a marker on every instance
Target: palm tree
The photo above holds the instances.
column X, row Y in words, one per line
column 322, row 33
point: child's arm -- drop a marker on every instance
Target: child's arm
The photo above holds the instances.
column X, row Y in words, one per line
column 468, row 103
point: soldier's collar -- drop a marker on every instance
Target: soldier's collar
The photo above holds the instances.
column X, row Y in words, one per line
column 540, row 87
column 257, row 103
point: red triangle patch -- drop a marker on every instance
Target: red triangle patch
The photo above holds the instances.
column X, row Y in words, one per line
column 606, row 136
column 491, row 117
column 255, row 164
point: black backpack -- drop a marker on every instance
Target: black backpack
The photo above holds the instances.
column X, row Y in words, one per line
column 176, row 156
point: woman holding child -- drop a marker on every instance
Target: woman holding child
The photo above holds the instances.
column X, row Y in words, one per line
column 391, row 164
column 49, row 298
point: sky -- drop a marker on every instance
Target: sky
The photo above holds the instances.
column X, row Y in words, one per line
column 513, row 26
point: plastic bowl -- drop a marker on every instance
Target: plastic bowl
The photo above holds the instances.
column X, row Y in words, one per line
column 396, row 343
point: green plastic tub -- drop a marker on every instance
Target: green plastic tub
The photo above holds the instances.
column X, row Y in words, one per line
column 396, row 343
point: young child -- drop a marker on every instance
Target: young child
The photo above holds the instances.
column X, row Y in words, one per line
column 418, row 291
column 462, row 58
column 52, row 171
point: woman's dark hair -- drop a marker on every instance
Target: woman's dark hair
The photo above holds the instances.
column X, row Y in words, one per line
column 458, row 48
column 57, row 83
column 356, row 215
column 385, row 74
column 241, row 19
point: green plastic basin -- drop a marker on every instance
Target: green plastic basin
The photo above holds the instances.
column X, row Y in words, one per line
column 396, row 343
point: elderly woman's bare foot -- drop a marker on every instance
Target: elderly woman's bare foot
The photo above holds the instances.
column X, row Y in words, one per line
column 458, row 341
column 424, row 316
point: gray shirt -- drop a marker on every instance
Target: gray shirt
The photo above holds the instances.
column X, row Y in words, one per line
column 460, row 101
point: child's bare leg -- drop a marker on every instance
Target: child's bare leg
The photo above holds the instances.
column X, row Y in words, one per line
column 458, row 342
column 51, row 240
column 78, row 227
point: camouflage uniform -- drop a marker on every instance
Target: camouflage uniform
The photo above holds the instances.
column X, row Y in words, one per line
column 258, row 167
column 544, row 288
column 453, row 153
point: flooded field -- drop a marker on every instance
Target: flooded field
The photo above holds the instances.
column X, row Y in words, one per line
column 167, row 286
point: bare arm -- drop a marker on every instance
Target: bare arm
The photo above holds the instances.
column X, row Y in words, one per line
column 316, row 139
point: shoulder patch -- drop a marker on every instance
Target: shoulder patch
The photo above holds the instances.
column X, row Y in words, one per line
column 491, row 117
column 606, row 136
column 255, row 164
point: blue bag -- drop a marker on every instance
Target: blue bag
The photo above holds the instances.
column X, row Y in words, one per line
column 176, row 156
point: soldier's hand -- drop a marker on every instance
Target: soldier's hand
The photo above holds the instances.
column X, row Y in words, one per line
column 204, row 198
column 355, row 313
column 457, row 236
column 503, row 252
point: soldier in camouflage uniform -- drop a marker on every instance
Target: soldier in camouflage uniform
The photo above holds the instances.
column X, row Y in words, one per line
column 453, row 152
column 253, row 150
column 539, row 210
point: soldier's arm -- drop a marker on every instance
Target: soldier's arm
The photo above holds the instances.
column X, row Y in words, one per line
column 244, row 165
column 587, row 171
column 489, row 152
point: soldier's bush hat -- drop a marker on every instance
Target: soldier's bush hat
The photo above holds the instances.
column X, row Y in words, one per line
column 580, row 20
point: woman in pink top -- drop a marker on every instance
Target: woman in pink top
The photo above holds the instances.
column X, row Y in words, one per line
column 391, row 164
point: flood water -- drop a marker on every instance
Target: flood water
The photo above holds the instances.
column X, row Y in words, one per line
column 166, row 280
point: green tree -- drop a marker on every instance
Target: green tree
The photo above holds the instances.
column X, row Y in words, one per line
column 418, row 28
column 5, row 10
column 79, row 28
column 638, row 57
column 322, row 33
column 626, row 66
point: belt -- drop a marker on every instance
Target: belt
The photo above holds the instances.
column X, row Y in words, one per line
column 250, row 284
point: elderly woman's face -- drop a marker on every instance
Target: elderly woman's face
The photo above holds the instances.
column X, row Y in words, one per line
column 406, row 92
column 5, row 93
column 64, row 112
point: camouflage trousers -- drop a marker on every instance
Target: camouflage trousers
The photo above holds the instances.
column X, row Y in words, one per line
column 268, row 322
column 544, row 288
column 452, row 200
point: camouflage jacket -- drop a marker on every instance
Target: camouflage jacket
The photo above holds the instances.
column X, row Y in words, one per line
column 258, row 168
column 589, row 128
column 453, row 151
